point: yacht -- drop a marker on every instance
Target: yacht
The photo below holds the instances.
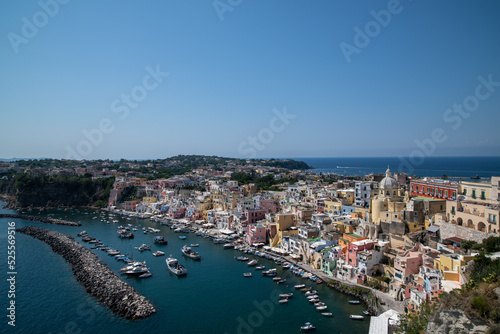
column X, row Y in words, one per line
column 158, row 253
column 190, row 253
column 174, row 266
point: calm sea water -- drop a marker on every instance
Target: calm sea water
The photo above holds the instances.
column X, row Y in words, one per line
column 213, row 298
column 466, row 167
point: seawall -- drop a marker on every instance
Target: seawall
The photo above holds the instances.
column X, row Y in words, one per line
column 46, row 220
column 96, row 277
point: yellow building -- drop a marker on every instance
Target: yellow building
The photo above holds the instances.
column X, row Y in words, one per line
column 476, row 191
column 451, row 265
column 149, row 199
column 332, row 207
column 285, row 224
column 389, row 203
column 477, row 216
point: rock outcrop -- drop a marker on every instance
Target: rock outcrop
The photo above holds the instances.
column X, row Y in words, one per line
column 455, row 321
column 95, row 276
column 46, row 220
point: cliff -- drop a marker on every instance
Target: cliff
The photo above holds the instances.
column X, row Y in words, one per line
column 455, row 321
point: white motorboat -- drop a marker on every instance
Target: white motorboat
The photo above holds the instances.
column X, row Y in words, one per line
column 158, row 253
column 187, row 251
column 307, row 327
column 174, row 266
column 252, row 263
column 356, row 317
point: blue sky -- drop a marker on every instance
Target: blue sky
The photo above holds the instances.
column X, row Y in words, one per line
column 233, row 66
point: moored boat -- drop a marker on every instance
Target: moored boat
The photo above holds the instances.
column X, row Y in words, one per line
column 158, row 253
column 252, row 263
column 283, row 301
column 307, row 327
column 247, row 274
column 187, row 251
column 160, row 240
column 356, row 317
column 286, row 295
column 354, row 302
column 260, row 267
column 174, row 266
column 321, row 308
column 326, row 314
column 299, row 286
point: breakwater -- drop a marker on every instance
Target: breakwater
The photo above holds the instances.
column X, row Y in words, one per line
column 95, row 276
column 46, row 220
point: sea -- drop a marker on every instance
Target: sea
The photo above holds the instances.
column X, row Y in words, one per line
column 213, row 298
column 452, row 167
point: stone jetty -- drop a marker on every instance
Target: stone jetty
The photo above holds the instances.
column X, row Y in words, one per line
column 95, row 276
column 46, row 220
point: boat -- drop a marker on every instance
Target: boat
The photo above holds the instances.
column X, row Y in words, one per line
column 182, row 237
column 312, row 292
column 281, row 281
column 283, row 301
column 314, row 301
column 247, row 274
column 260, row 267
column 113, row 252
column 356, row 317
column 228, row 246
column 312, row 297
column 174, row 266
column 286, row 295
column 143, row 248
column 366, row 312
column 146, row 275
column 276, row 278
column 326, row 314
column 126, row 235
column 242, row 258
column 307, row 327
column 82, row 233
column 219, row 241
column 252, row 263
column 321, row 308
column 354, row 302
column 194, row 245
column 270, row 273
column 160, row 240
column 138, row 269
column 319, row 304
column 158, row 253
column 299, row 286
column 306, row 289
column 187, row 251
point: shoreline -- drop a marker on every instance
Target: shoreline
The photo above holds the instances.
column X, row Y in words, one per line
column 98, row 280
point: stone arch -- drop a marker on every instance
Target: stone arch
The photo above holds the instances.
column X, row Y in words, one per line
column 470, row 224
column 481, row 227
column 460, row 222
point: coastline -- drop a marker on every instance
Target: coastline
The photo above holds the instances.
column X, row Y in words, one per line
column 46, row 220
column 95, row 276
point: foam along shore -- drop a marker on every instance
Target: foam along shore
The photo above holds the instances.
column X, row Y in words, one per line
column 95, row 276
column 46, row 220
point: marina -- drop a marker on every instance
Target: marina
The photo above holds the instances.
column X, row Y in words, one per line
column 217, row 272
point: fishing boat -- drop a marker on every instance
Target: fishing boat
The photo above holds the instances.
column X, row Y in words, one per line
column 160, row 240
column 228, row 246
column 82, row 233
column 283, row 301
column 354, row 302
column 319, row 304
column 242, row 258
column 326, row 314
column 312, row 297
column 281, row 281
column 306, row 289
column 299, row 286
column 146, row 275
column 356, row 317
column 143, row 248
column 174, row 266
column 307, row 327
column 276, row 278
column 247, row 274
column 366, row 312
column 194, row 245
column 252, row 263
column 311, row 292
column 126, row 235
column 187, row 251
column 313, row 301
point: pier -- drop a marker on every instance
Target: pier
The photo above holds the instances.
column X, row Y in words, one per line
column 46, row 220
column 96, row 277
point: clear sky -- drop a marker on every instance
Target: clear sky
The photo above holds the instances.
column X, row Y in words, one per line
column 248, row 78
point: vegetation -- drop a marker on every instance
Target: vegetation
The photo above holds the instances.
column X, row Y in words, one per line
column 62, row 190
column 489, row 245
column 265, row 182
column 416, row 323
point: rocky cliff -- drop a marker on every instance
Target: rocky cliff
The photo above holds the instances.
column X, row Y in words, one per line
column 455, row 321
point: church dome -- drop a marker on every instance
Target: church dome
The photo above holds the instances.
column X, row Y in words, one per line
column 388, row 182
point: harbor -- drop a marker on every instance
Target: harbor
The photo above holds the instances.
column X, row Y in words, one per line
column 214, row 291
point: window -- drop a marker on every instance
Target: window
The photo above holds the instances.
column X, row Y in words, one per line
column 473, row 193
column 483, row 195
column 465, row 191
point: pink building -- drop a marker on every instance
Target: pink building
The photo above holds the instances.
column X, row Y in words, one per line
column 256, row 234
column 407, row 264
column 176, row 213
column 254, row 215
column 271, row 205
column 130, row 205
column 354, row 247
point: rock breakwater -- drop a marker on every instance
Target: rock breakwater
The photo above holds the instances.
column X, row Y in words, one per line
column 95, row 276
column 46, row 220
